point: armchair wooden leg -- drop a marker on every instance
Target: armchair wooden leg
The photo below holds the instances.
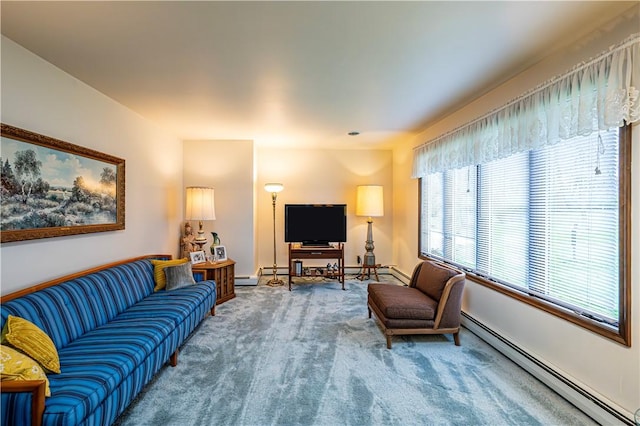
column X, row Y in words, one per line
column 369, row 311
column 173, row 359
column 456, row 338
column 388, row 341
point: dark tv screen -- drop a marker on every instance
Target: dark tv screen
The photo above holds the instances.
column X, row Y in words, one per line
column 315, row 224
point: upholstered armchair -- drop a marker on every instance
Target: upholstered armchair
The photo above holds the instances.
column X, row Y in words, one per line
column 429, row 305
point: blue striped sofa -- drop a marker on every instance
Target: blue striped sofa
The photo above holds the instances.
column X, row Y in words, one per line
column 112, row 333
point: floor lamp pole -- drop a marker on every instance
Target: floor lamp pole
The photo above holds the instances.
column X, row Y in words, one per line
column 274, row 282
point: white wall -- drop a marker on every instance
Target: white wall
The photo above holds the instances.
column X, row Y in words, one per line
column 244, row 215
column 608, row 369
column 323, row 176
column 227, row 166
column 39, row 97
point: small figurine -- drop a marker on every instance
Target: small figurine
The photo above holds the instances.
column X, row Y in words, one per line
column 187, row 244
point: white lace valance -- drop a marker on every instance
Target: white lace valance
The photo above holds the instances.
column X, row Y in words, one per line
column 603, row 91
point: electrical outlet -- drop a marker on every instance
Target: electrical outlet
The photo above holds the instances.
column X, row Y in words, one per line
column 359, row 259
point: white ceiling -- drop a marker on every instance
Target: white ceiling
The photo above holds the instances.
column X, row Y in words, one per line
column 297, row 74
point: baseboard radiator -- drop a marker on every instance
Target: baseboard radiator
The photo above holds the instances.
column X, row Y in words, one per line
column 246, row 280
column 590, row 404
column 401, row 276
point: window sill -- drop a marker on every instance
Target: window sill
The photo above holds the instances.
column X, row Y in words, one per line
column 594, row 326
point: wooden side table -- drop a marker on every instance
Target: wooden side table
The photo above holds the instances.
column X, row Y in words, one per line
column 223, row 273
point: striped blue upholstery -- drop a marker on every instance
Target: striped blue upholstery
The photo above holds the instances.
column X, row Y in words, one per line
column 16, row 409
column 83, row 304
column 176, row 304
column 113, row 333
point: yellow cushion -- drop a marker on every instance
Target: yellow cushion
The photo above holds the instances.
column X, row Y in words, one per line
column 17, row 366
column 26, row 337
column 158, row 271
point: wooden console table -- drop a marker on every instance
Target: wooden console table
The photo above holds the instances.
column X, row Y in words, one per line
column 299, row 252
column 223, row 273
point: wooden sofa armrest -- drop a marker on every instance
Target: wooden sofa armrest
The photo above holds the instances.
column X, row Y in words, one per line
column 446, row 293
column 37, row 388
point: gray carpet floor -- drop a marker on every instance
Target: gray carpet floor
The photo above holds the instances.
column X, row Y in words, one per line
column 313, row 357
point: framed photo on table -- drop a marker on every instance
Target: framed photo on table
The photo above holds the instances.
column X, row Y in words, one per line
column 221, row 253
column 197, row 257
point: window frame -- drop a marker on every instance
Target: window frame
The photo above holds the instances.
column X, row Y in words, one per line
column 620, row 335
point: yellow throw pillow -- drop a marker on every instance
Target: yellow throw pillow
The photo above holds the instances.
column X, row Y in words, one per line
column 17, row 366
column 26, row 337
column 158, row 271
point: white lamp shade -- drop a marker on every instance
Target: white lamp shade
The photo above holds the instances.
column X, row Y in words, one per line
column 273, row 187
column 369, row 201
column 200, row 203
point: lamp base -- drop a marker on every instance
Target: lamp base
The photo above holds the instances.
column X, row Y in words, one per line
column 200, row 244
column 369, row 259
column 275, row 282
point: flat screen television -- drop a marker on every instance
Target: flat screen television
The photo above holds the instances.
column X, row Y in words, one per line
column 315, row 224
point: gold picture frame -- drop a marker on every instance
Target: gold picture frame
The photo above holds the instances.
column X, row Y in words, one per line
column 52, row 188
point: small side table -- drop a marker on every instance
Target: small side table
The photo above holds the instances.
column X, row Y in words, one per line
column 366, row 270
column 223, row 273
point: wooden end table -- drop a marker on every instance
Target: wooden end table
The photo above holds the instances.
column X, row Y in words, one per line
column 223, row 273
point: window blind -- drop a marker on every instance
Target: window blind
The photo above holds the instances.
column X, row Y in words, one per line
column 574, row 224
column 503, row 219
column 545, row 222
column 460, row 217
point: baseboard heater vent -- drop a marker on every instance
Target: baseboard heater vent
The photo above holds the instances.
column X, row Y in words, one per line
column 245, row 280
column 590, row 404
column 401, row 276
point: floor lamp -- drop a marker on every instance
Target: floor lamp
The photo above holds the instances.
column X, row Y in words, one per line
column 274, row 188
column 369, row 203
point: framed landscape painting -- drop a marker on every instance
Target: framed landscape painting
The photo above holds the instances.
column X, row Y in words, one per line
column 52, row 188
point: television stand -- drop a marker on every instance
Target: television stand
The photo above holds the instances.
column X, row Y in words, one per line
column 299, row 252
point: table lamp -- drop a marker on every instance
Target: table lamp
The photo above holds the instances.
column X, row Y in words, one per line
column 200, row 207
